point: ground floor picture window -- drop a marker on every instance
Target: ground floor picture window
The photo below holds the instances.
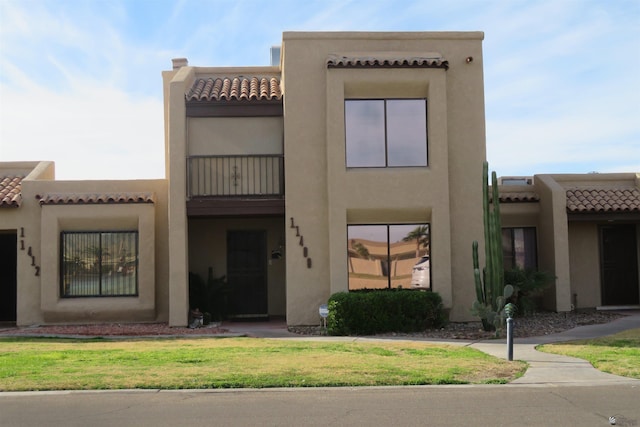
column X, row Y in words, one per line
column 99, row 263
column 519, row 248
column 389, row 256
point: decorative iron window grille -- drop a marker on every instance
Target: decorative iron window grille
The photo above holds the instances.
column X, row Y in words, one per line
column 98, row 263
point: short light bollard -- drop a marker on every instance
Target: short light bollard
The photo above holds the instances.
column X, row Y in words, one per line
column 510, row 338
column 324, row 313
column 509, row 309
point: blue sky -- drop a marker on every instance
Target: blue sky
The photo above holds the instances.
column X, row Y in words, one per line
column 80, row 81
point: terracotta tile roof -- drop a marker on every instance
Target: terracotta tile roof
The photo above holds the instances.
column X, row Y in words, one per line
column 11, row 191
column 95, row 198
column 599, row 200
column 235, row 89
column 518, row 196
column 409, row 61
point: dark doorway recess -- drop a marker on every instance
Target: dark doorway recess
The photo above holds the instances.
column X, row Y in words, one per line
column 8, row 276
column 619, row 265
column 247, row 273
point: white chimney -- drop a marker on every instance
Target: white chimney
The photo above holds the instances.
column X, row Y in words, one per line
column 179, row 63
column 275, row 56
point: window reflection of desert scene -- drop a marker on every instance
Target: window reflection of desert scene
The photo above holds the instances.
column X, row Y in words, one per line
column 384, row 256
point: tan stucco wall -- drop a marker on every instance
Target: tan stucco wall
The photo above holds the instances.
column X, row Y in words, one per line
column 38, row 295
column 585, row 264
column 235, row 135
column 323, row 197
column 446, row 194
column 208, row 248
column 581, row 247
column 553, row 241
column 203, row 136
column 26, row 221
column 568, row 245
column 122, row 217
column 30, row 170
column 519, row 214
column 412, row 195
column 175, row 84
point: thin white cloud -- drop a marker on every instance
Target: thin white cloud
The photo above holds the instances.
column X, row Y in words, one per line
column 74, row 108
column 561, row 76
column 90, row 133
column 562, row 95
column 569, row 143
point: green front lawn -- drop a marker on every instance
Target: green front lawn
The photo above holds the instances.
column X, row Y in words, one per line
column 617, row 354
column 68, row 364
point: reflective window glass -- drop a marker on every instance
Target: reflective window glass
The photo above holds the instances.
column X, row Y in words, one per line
column 384, row 256
column 367, row 256
column 364, row 121
column 386, row 133
column 406, row 132
column 519, row 248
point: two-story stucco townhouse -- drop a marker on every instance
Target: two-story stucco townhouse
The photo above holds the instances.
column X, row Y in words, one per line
column 354, row 161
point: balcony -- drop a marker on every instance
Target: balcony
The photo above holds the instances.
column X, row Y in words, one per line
column 218, row 185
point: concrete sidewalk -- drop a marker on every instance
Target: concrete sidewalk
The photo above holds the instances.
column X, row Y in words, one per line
column 544, row 368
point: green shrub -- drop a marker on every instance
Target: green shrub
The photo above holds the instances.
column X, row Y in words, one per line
column 528, row 287
column 367, row 312
column 210, row 296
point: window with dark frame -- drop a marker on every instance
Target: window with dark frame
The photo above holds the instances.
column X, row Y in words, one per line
column 386, row 132
column 381, row 256
column 519, row 248
column 98, row 263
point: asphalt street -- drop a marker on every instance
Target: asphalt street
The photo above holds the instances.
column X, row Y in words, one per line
column 485, row 405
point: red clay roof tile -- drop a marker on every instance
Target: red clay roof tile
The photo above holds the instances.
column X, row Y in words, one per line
column 341, row 61
column 11, row 191
column 598, row 200
column 520, row 196
column 235, row 89
column 95, row 198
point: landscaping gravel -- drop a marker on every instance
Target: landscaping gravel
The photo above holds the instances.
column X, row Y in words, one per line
column 112, row 329
column 538, row 324
column 535, row 325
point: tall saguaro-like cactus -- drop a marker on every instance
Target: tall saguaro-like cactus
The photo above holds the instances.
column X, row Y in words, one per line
column 491, row 293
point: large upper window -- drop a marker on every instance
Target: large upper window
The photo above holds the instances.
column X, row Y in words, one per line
column 388, row 256
column 519, row 248
column 386, row 132
column 97, row 264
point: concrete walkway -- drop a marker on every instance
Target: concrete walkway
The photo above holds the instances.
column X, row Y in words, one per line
column 544, row 368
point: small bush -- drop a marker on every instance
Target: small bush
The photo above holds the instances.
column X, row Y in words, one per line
column 529, row 286
column 210, row 296
column 367, row 312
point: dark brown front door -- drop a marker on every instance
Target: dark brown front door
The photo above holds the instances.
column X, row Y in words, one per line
column 247, row 273
column 8, row 276
column 619, row 265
